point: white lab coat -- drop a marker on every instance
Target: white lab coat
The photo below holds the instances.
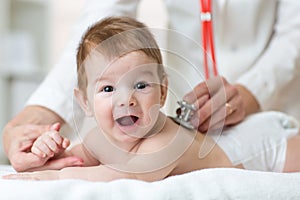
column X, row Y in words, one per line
column 257, row 44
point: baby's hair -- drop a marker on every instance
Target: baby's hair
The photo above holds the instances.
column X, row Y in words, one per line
column 114, row 37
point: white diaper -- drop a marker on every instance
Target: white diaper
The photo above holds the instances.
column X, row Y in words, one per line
column 259, row 142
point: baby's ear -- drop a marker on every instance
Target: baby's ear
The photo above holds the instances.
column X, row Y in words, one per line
column 164, row 90
column 83, row 102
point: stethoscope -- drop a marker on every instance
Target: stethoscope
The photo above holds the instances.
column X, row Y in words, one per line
column 186, row 110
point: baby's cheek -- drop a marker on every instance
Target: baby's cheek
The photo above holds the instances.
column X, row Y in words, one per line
column 103, row 114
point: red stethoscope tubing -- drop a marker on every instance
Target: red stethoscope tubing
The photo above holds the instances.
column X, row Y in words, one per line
column 207, row 37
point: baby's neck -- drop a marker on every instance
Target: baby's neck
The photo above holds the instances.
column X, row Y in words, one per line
column 156, row 129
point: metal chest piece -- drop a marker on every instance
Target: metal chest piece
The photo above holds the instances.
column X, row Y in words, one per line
column 184, row 114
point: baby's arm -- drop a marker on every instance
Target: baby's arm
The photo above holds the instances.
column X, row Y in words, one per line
column 94, row 173
column 139, row 167
column 51, row 145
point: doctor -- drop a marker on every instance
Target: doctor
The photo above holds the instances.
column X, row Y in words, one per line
column 257, row 45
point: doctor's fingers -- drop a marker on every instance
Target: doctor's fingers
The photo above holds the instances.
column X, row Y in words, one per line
column 235, row 111
column 60, row 163
column 219, row 91
column 211, row 86
column 198, row 91
column 232, row 119
column 32, row 162
column 23, row 161
column 24, row 135
column 225, row 116
column 216, row 120
column 215, row 103
column 218, row 109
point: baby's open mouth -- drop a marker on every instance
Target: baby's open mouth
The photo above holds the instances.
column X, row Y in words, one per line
column 127, row 120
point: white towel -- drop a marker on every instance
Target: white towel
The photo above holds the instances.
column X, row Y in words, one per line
column 219, row 183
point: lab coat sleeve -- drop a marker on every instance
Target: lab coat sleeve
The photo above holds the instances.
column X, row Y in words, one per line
column 56, row 91
column 279, row 63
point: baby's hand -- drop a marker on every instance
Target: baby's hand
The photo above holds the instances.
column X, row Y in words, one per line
column 50, row 143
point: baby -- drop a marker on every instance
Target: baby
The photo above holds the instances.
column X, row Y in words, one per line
column 122, row 85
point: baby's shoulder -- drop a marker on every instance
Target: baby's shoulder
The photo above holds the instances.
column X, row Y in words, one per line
column 154, row 142
column 171, row 136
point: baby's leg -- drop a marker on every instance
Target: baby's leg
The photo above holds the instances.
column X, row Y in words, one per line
column 292, row 161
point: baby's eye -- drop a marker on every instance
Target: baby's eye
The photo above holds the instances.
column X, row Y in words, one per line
column 141, row 85
column 108, row 88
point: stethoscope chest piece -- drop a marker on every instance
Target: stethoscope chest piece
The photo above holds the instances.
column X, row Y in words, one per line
column 184, row 114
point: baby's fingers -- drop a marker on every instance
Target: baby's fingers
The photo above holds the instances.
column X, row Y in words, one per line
column 55, row 137
column 37, row 151
column 65, row 143
column 45, row 146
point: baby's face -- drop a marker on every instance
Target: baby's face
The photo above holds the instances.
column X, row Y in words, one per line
column 125, row 95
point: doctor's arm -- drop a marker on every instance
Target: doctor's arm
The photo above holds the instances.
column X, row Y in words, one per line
column 20, row 133
column 278, row 66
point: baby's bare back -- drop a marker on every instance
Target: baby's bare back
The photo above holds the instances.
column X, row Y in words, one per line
column 178, row 150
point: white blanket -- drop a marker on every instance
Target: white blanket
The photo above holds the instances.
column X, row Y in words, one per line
column 221, row 183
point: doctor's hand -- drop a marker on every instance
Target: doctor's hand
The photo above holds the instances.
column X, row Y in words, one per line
column 220, row 103
column 50, row 147
column 20, row 134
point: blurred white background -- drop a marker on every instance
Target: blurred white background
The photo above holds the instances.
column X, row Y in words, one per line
column 33, row 34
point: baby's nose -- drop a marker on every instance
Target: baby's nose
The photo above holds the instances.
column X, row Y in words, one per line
column 128, row 102
column 126, row 99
